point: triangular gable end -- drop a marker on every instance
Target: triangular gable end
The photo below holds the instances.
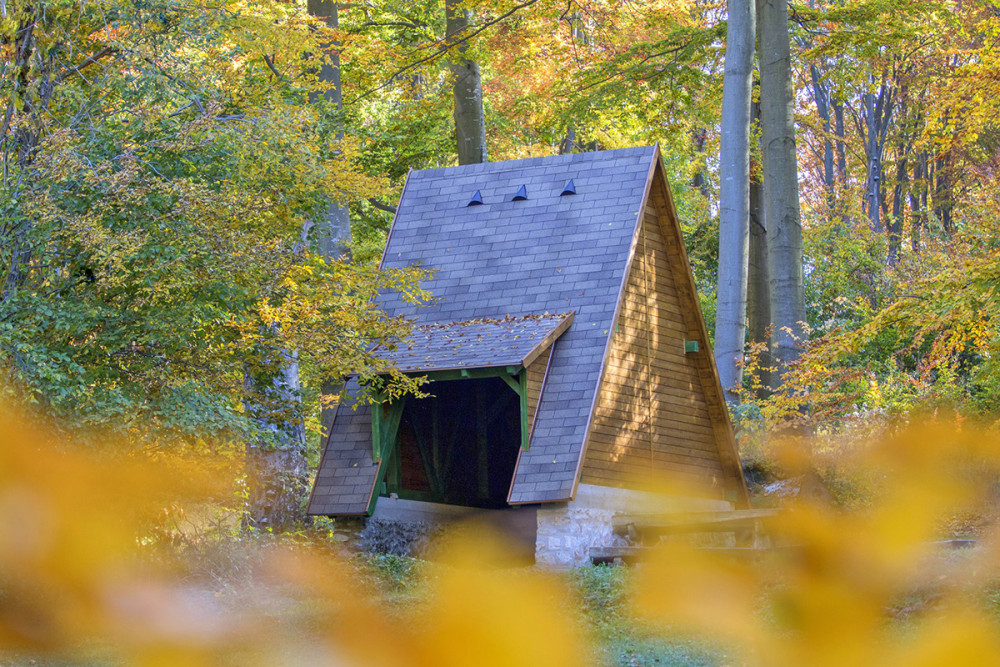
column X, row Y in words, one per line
column 660, row 412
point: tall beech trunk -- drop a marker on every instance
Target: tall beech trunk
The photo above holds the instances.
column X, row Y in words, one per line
column 758, row 294
column 571, row 142
column 28, row 75
column 470, row 123
column 734, row 191
column 781, row 200
column 873, row 122
column 333, row 235
column 943, row 203
column 841, row 142
column 895, row 223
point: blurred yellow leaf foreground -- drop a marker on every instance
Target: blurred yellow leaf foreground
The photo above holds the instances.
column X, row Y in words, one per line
column 95, row 566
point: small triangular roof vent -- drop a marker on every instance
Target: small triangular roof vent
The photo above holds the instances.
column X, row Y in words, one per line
column 570, row 189
column 521, row 195
column 477, row 199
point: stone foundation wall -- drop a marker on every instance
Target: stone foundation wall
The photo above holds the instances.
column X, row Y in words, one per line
column 567, row 531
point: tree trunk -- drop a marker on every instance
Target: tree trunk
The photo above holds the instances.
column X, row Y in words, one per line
column 918, row 199
column 821, row 96
column 781, row 208
column 470, row 123
column 838, row 115
column 570, row 142
column 27, row 74
column 275, row 461
column 333, row 235
column 942, row 193
column 873, row 122
column 895, row 226
column 699, row 180
column 758, row 296
column 734, row 190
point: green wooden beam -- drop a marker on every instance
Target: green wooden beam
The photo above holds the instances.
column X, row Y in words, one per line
column 515, row 384
column 391, row 424
column 385, row 428
column 377, row 418
column 469, row 373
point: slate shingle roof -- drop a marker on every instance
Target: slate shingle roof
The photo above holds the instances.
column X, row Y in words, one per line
column 480, row 343
column 548, row 253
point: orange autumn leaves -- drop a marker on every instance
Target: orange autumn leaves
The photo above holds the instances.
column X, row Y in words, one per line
column 864, row 587
column 870, row 587
column 75, row 577
column 69, row 525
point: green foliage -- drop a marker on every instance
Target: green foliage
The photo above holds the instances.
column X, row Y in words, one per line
column 161, row 178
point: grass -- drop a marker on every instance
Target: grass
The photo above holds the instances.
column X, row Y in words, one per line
column 604, row 613
column 603, row 592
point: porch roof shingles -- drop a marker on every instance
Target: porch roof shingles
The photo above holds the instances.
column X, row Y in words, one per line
column 346, row 473
column 479, row 343
column 548, row 253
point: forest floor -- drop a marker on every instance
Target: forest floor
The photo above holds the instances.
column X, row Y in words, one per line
column 230, row 580
column 229, row 583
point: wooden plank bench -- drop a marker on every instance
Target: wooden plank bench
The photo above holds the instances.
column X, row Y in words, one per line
column 642, row 527
column 633, row 554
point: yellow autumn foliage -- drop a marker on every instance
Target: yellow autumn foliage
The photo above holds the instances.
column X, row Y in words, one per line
column 79, row 575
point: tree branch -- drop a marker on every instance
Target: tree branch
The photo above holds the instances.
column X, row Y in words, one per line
column 8, row 114
column 444, row 48
column 270, row 66
column 88, row 61
column 380, row 206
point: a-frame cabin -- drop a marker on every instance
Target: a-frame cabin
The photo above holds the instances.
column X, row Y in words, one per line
column 568, row 357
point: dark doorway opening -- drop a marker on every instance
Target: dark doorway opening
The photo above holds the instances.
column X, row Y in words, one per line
column 458, row 446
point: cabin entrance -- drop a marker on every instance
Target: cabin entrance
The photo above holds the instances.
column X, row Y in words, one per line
column 458, row 446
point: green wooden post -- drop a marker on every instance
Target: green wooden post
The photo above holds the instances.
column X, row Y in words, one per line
column 525, row 426
column 385, row 428
column 379, row 477
column 377, row 415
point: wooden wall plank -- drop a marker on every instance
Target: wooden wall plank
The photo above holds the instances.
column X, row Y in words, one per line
column 653, row 414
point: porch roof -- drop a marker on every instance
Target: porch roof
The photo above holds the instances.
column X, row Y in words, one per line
column 478, row 343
